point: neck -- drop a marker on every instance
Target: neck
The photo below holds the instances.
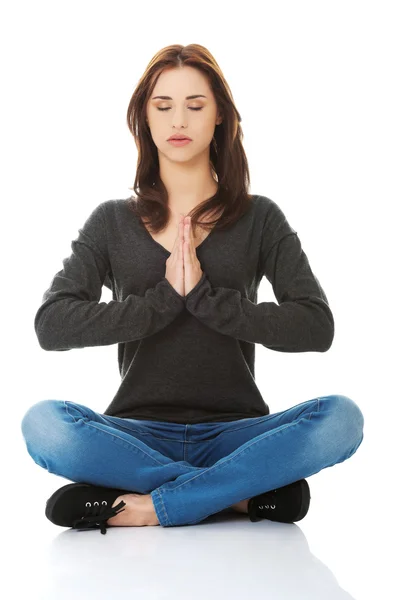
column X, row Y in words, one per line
column 188, row 183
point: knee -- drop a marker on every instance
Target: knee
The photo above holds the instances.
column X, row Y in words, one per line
column 44, row 434
column 347, row 417
column 39, row 419
column 350, row 411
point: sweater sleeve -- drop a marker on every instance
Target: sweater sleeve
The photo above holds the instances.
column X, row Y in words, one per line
column 301, row 321
column 71, row 315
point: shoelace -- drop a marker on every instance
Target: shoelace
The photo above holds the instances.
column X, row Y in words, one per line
column 97, row 515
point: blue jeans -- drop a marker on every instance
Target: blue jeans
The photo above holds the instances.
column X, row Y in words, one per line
column 192, row 471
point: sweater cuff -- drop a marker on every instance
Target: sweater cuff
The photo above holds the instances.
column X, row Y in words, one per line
column 201, row 288
column 170, row 295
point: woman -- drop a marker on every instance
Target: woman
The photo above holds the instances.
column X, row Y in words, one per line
column 188, row 433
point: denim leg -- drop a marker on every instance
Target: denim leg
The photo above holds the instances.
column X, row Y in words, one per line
column 75, row 442
column 328, row 431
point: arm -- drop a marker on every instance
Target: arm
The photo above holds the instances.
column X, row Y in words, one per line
column 301, row 322
column 71, row 315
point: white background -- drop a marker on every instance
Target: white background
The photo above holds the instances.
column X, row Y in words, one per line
column 317, row 86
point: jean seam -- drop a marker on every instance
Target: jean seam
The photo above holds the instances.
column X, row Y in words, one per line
column 68, row 413
column 244, row 426
column 314, row 411
column 160, row 504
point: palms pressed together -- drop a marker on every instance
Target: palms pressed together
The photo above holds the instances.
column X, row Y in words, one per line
column 191, row 264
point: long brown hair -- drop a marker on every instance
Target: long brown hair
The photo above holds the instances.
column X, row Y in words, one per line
column 227, row 157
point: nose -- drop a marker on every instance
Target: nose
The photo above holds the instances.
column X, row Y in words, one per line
column 179, row 120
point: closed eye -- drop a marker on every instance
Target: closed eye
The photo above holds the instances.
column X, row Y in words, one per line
column 190, row 108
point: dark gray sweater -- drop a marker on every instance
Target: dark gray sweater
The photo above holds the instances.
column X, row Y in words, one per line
column 186, row 359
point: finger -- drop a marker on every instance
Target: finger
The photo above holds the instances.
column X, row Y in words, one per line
column 184, row 241
column 181, row 238
column 191, row 243
column 181, row 241
column 187, row 239
column 181, row 246
column 188, row 226
column 178, row 237
column 180, row 228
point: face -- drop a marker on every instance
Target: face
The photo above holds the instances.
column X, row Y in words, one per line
column 194, row 117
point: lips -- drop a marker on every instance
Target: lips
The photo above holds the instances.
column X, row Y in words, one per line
column 179, row 137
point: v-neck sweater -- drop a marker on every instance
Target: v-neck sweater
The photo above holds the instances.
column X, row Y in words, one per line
column 186, row 359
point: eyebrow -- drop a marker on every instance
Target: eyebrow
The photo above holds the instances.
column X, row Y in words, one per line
column 187, row 97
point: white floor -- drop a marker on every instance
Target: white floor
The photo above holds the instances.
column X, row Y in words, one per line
column 345, row 547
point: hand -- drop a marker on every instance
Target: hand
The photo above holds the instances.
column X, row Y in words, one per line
column 191, row 264
column 174, row 263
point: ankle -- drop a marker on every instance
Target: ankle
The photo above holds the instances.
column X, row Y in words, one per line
column 241, row 506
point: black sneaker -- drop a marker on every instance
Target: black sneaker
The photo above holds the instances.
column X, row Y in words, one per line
column 84, row 506
column 286, row 504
